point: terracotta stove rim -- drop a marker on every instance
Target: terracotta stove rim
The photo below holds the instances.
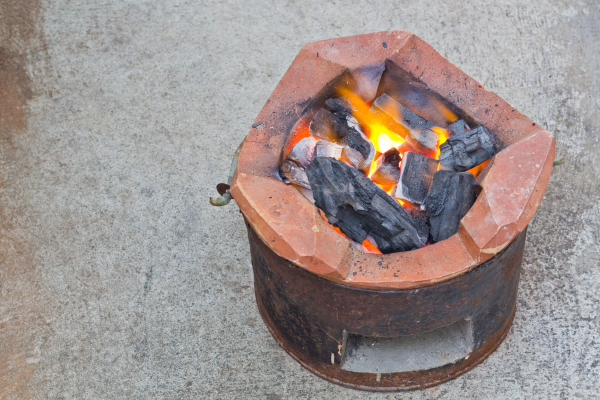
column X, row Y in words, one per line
column 492, row 223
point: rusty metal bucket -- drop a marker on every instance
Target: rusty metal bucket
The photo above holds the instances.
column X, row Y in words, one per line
column 441, row 331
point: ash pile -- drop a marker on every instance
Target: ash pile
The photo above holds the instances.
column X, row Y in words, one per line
column 394, row 199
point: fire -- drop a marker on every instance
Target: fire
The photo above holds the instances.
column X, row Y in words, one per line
column 371, row 248
column 383, row 138
column 477, row 169
column 376, row 130
column 387, row 131
column 443, row 136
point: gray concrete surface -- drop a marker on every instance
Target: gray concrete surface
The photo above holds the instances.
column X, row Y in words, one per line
column 118, row 280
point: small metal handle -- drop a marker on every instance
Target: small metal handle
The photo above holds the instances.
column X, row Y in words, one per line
column 558, row 161
column 226, row 196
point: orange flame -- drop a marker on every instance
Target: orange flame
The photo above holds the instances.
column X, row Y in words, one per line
column 478, row 168
column 371, row 247
column 375, row 125
column 368, row 245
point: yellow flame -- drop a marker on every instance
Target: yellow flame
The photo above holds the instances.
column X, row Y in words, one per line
column 362, row 108
column 383, row 138
column 375, row 127
column 443, row 136
column 384, row 142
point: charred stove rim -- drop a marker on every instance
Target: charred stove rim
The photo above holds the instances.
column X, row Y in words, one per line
column 492, row 223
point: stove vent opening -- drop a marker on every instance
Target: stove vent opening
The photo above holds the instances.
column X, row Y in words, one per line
column 422, row 351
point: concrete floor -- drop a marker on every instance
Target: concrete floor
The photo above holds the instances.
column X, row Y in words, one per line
column 118, row 280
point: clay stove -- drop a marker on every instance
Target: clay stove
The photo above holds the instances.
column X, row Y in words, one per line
column 394, row 321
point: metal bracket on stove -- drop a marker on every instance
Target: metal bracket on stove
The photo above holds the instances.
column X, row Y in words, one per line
column 558, row 161
column 223, row 188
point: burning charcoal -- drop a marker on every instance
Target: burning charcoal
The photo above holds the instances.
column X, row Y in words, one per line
column 415, row 94
column 420, row 129
column 451, row 196
column 341, row 128
column 367, row 79
column 406, row 147
column 419, row 220
column 416, row 174
column 387, row 168
column 458, row 127
column 327, row 126
column 295, row 174
column 283, row 177
column 302, row 152
column 333, row 127
column 353, row 203
column 351, row 122
column 339, row 105
column 371, row 247
column 358, row 150
column 464, row 151
column 328, row 149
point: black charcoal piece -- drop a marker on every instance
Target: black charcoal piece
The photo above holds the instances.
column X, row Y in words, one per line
column 333, row 126
column 387, row 168
column 406, row 147
column 416, row 174
column 452, row 195
column 464, row 151
column 295, row 173
column 420, row 129
column 327, row 126
column 358, row 150
column 303, row 151
column 351, row 122
column 339, row 105
column 457, row 128
column 328, row 149
column 367, row 80
column 353, row 203
column 342, row 128
column 416, row 95
column 420, row 221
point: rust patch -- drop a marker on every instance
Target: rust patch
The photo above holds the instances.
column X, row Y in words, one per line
column 22, row 45
column 21, row 37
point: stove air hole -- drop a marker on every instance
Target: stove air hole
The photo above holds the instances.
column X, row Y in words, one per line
column 423, row 351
